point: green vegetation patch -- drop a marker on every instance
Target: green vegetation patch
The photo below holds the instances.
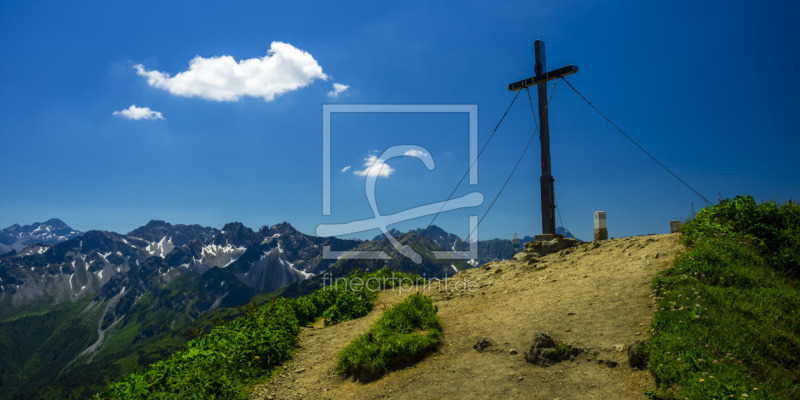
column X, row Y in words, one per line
column 220, row 364
column 728, row 317
column 403, row 334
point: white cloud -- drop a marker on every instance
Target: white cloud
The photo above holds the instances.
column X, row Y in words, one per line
column 285, row 68
column 415, row 153
column 137, row 113
column 374, row 167
column 345, row 168
column 337, row 89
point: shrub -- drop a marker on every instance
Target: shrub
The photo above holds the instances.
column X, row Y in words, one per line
column 404, row 333
column 348, row 306
column 772, row 230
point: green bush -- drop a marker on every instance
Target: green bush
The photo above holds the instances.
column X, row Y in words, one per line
column 216, row 365
column 402, row 334
column 348, row 306
column 772, row 230
column 305, row 310
column 728, row 318
column 354, row 297
column 220, row 364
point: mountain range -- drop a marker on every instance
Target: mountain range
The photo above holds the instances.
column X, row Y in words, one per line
column 15, row 237
column 102, row 302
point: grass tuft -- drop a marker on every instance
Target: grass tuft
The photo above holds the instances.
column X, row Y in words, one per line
column 402, row 335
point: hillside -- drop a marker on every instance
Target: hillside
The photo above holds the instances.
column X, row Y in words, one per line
column 86, row 310
column 596, row 296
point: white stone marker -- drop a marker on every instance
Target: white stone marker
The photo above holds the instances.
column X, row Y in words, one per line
column 674, row 226
column 600, row 228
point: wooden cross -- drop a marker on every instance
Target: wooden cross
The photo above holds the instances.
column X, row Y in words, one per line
column 540, row 80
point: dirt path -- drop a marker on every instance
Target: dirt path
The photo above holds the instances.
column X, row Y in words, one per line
column 596, row 296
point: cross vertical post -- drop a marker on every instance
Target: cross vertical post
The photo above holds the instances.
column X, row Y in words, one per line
column 546, row 181
column 540, row 80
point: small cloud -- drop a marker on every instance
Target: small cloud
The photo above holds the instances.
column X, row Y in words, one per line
column 415, row 153
column 373, row 166
column 345, row 168
column 337, row 89
column 137, row 113
column 285, row 68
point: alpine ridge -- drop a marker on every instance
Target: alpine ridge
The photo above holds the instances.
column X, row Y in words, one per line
column 124, row 294
column 15, row 237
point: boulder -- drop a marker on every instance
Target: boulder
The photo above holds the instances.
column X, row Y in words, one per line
column 637, row 358
column 530, row 258
column 543, row 357
column 547, row 244
column 483, row 345
column 546, row 351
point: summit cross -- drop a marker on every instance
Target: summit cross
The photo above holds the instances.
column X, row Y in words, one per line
column 540, row 80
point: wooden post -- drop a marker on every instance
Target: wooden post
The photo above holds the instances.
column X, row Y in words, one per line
column 546, row 181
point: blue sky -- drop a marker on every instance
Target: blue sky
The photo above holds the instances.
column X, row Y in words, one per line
column 710, row 89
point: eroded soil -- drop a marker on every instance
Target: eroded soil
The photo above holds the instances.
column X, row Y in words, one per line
column 596, row 296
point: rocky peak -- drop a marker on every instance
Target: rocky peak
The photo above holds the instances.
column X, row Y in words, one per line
column 283, row 228
column 98, row 241
column 237, row 234
column 56, row 223
column 394, row 232
column 178, row 234
column 18, row 237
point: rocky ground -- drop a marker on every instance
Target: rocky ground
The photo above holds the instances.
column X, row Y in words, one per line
column 595, row 297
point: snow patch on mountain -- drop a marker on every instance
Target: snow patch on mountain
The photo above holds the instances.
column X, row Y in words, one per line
column 271, row 272
column 17, row 237
column 160, row 248
column 214, row 255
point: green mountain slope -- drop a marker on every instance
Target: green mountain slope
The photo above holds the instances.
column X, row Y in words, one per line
column 35, row 344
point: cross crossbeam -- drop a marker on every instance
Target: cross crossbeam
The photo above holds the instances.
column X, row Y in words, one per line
column 547, row 76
